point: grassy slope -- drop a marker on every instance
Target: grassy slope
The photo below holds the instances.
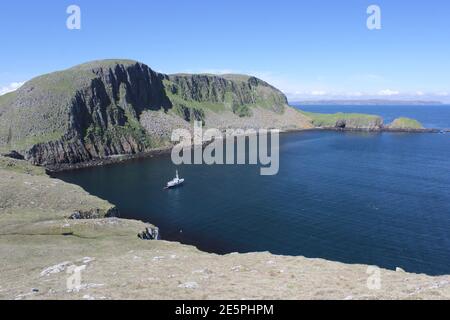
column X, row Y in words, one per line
column 405, row 123
column 263, row 95
column 179, row 101
column 20, row 166
column 329, row 120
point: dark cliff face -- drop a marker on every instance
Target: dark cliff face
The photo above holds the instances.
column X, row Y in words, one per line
column 236, row 92
column 93, row 110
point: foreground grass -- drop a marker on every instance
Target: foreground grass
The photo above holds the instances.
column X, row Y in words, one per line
column 20, row 166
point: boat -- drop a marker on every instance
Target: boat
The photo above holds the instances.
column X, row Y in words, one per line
column 175, row 182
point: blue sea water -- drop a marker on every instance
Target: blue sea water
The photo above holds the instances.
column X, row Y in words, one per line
column 372, row 198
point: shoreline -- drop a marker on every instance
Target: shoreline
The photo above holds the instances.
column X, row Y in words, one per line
column 119, row 159
column 46, row 243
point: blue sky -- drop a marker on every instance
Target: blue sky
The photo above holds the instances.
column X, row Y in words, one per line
column 310, row 49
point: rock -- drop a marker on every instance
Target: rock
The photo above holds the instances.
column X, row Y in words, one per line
column 399, row 270
column 86, row 260
column 55, row 269
column 150, row 233
column 14, row 155
column 93, row 214
column 341, row 124
column 189, row 285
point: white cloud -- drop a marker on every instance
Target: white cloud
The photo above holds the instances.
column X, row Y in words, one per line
column 10, row 88
column 420, row 93
column 318, row 93
column 388, row 92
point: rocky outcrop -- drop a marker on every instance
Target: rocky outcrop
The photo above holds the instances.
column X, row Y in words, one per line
column 370, row 124
column 94, row 214
column 13, row 155
column 72, row 151
column 150, row 233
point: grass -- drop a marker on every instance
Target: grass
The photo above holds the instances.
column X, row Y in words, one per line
column 20, row 166
column 6, row 98
column 406, row 123
column 329, row 120
column 179, row 101
column 28, row 142
column 264, row 97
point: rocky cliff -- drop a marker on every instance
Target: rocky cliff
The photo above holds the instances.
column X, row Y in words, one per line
column 116, row 107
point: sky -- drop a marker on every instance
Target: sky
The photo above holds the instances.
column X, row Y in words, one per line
column 315, row 49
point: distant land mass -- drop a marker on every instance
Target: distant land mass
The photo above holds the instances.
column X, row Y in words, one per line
column 369, row 102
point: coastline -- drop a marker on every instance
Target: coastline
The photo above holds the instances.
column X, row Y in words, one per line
column 119, row 159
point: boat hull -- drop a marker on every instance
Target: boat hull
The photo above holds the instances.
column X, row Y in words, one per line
column 175, row 185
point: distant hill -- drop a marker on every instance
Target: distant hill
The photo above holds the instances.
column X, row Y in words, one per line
column 370, row 102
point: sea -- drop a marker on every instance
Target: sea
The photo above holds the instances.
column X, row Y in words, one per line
column 355, row 197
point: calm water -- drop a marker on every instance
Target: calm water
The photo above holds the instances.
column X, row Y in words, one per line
column 381, row 199
column 436, row 117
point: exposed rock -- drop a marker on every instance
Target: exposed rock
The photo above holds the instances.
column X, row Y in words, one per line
column 189, row 285
column 94, row 214
column 55, row 269
column 150, row 233
column 14, row 155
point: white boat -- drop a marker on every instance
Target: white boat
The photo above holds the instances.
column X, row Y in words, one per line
column 175, row 182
